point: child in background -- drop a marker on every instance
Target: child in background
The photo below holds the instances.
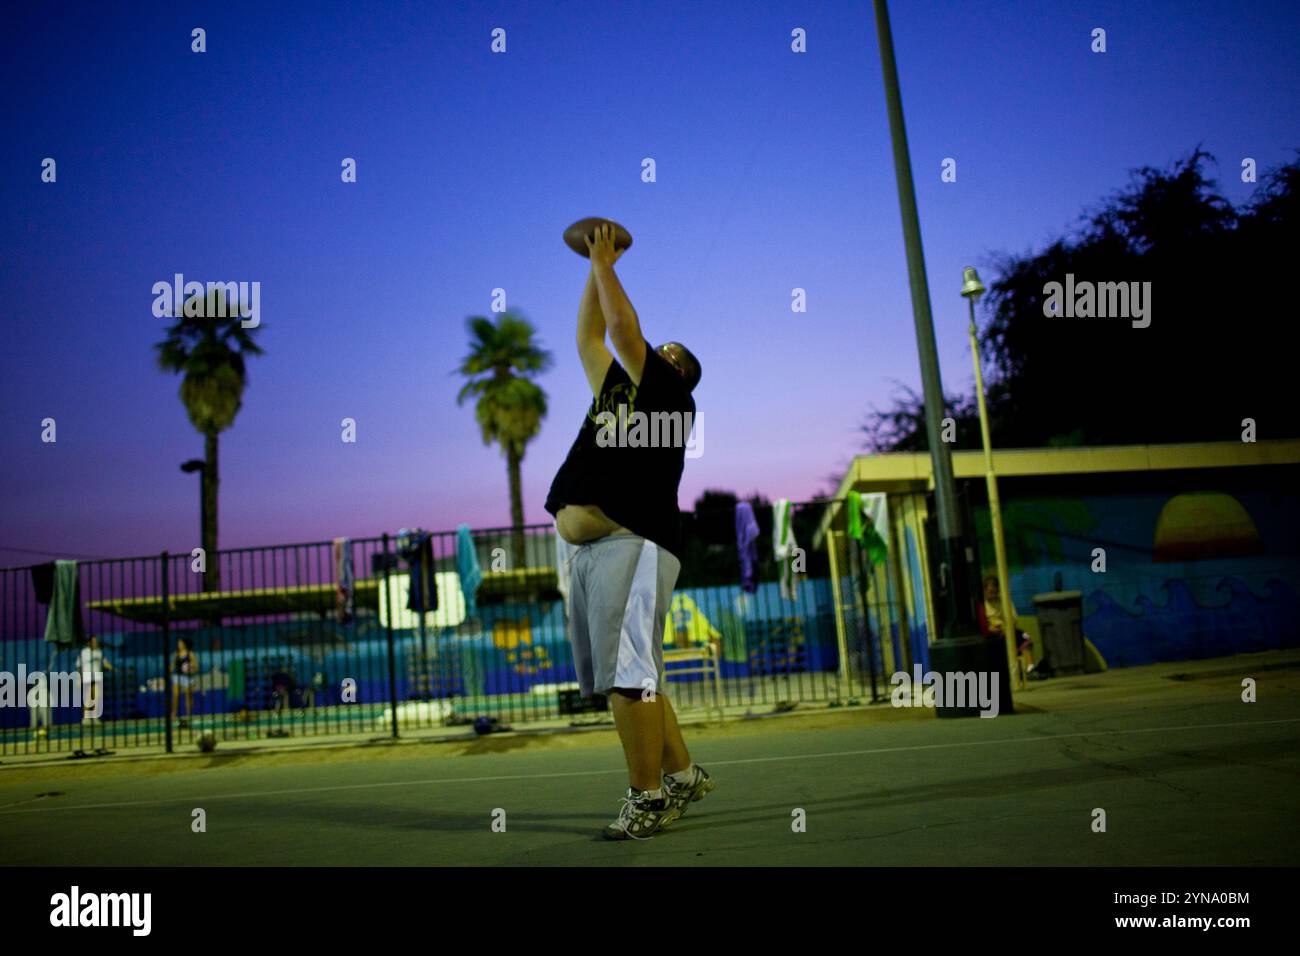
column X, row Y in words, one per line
column 992, row 625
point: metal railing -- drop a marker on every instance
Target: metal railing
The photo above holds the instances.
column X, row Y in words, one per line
column 280, row 649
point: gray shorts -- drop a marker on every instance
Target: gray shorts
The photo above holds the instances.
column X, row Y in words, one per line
column 620, row 590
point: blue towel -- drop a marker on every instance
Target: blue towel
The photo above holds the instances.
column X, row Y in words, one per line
column 468, row 568
column 416, row 547
column 747, row 545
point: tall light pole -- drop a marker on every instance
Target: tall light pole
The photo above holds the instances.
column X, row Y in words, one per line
column 972, row 289
column 954, row 581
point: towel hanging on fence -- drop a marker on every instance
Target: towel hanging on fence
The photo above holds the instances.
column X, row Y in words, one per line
column 875, row 534
column 417, row 548
column 63, row 620
column 869, row 523
column 43, row 582
column 345, row 578
column 784, row 545
column 747, row 546
column 467, row 566
column 854, row 504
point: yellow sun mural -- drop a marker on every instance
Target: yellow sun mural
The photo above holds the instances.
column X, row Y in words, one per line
column 1200, row 525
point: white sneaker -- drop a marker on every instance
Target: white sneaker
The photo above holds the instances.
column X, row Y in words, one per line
column 639, row 819
column 680, row 795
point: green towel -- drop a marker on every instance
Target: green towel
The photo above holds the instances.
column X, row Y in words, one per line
column 63, row 620
column 855, row 516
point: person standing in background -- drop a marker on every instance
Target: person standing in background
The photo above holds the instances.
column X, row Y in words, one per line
column 185, row 666
column 91, row 665
column 38, row 703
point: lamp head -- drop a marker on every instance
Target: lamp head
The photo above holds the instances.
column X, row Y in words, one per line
column 971, row 287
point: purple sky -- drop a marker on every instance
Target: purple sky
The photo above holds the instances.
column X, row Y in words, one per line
column 774, row 172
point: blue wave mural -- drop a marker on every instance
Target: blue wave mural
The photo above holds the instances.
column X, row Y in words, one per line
column 1178, row 627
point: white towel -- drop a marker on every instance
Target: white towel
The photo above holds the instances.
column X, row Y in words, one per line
column 876, row 540
column 784, row 545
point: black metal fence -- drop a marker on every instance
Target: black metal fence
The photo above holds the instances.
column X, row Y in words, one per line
column 382, row 636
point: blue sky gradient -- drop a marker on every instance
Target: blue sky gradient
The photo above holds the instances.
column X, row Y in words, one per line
column 774, row 172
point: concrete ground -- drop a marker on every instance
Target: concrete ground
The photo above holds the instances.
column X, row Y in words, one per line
column 1185, row 772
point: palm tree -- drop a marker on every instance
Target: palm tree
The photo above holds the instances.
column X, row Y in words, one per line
column 209, row 350
column 510, row 407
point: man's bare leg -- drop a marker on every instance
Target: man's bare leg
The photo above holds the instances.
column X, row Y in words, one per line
column 684, row 782
column 640, row 725
column 676, row 757
column 635, row 719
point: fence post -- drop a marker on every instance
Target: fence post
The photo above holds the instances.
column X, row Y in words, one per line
column 166, row 643
column 837, row 598
column 392, row 655
column 884, row 628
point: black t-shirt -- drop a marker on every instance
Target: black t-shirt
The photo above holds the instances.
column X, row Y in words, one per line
column 628, row 457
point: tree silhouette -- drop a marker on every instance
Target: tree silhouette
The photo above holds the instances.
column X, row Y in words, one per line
column 207, row 344
column 1212, row 356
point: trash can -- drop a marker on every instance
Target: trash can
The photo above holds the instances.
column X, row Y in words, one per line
column 1060, row 622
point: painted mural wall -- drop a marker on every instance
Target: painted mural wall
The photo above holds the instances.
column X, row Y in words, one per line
column 1191, row 574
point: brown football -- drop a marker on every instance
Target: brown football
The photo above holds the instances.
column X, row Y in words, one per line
column 574, row 235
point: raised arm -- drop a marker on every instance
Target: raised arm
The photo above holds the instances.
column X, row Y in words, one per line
column 620, row 318
column 591, row 337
